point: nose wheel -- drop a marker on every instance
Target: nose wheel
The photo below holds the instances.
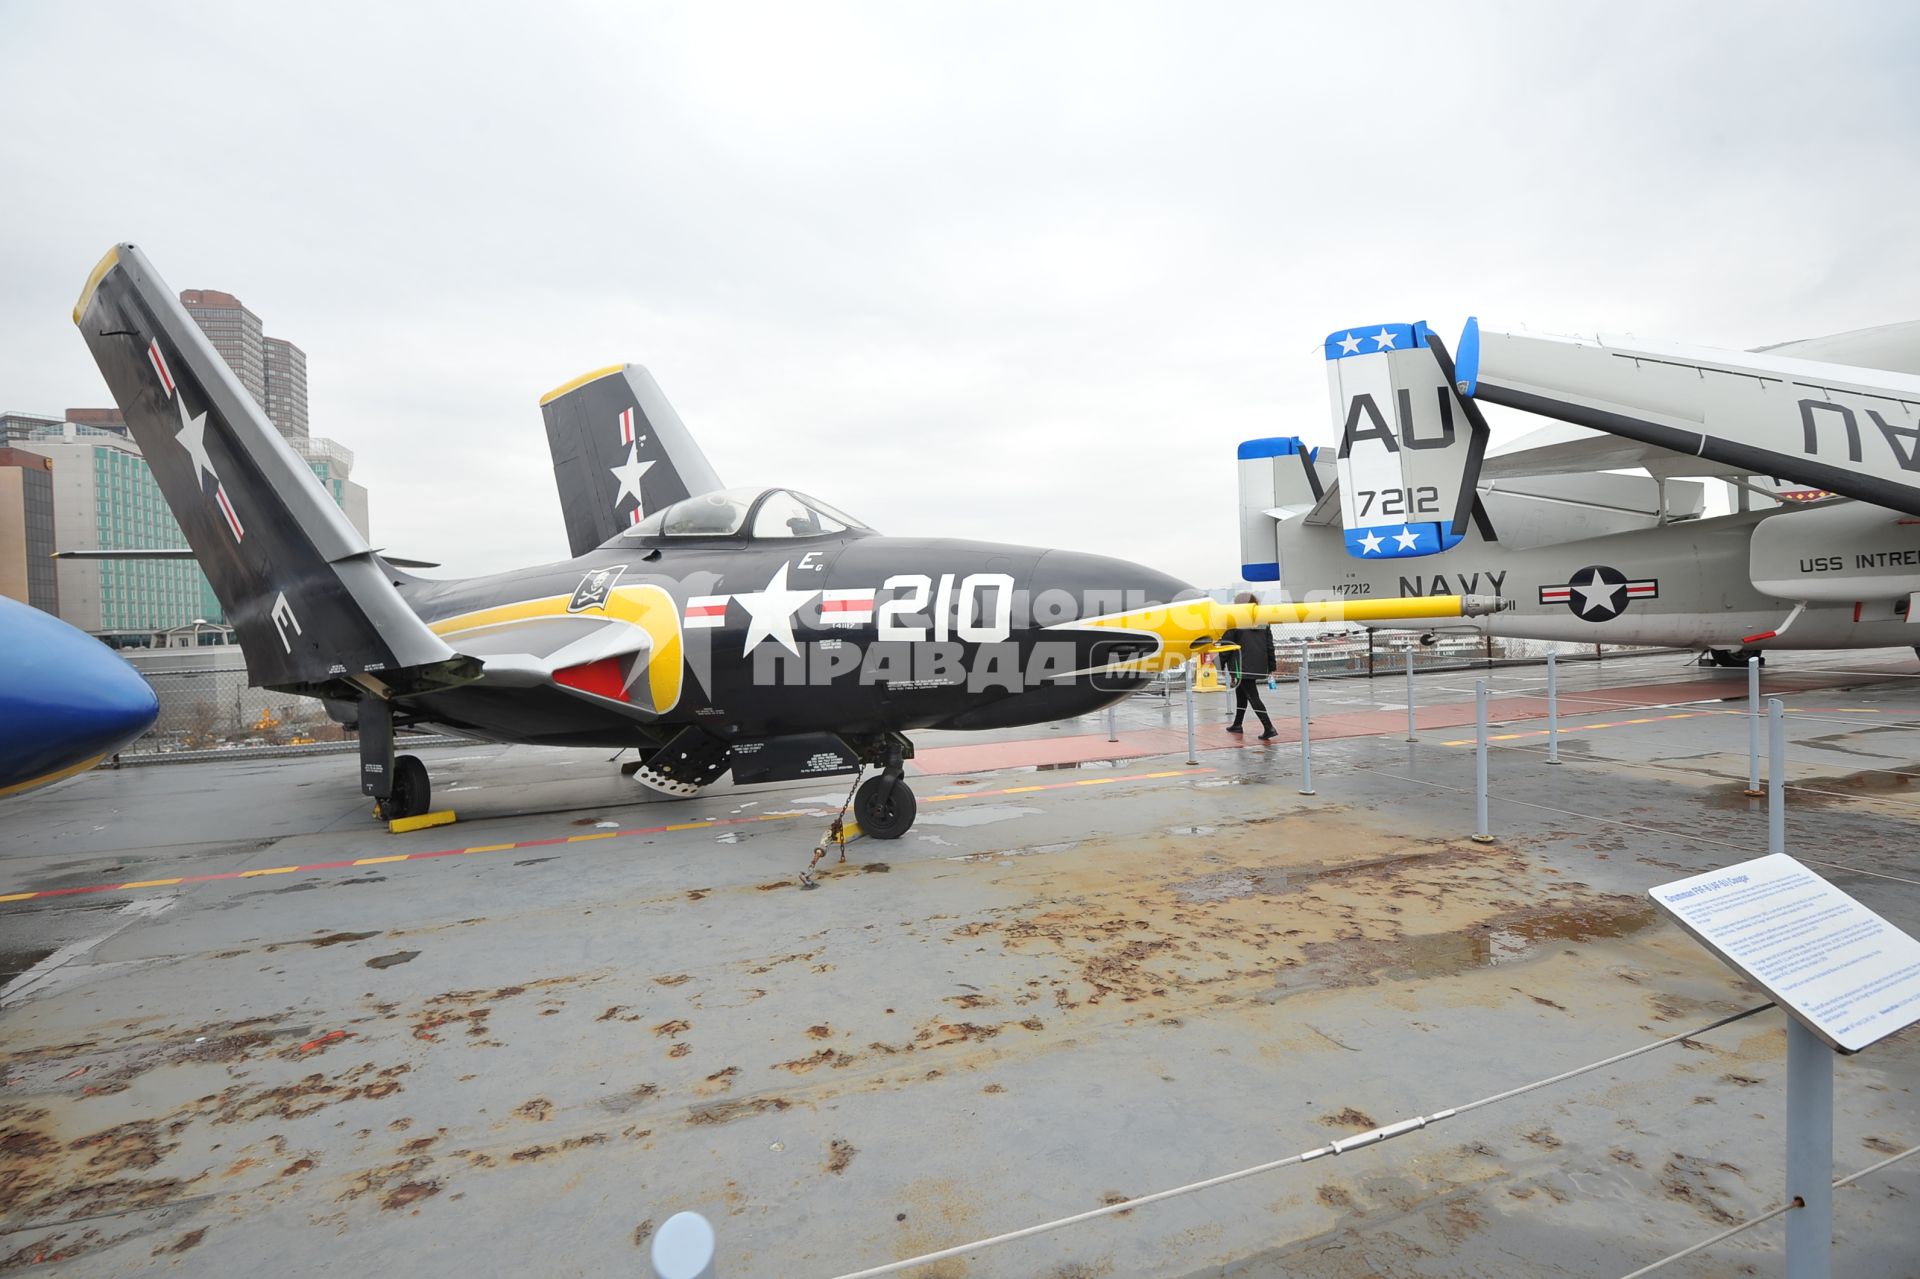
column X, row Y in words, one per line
column 884, row 806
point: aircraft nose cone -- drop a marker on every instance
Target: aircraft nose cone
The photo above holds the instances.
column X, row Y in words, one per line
column 1100, row 585
column 65, row 699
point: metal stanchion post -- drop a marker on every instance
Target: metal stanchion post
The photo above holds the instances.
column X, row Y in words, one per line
column 1776, row 776
column 1480, row 833
column 1113, row 724
column 1193, row 756
column 1809, row 1154
column 1306, row 734
column 683, row 1248
column 1553, row 711
column 1410, row 733
column 1753, row 726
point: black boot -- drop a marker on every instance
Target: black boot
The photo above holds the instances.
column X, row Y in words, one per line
column 1267, row 724
column 1235, row 726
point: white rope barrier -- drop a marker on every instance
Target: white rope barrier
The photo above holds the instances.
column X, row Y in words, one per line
column 1371, row 1137
column 1769, row 1215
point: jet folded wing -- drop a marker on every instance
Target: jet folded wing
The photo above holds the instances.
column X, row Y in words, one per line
column 1830, row 426
column 310, row 601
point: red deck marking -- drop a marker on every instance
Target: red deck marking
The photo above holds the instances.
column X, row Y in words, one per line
column 355, row 863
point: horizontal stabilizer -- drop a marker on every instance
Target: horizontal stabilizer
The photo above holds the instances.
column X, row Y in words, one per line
column 1410, row 448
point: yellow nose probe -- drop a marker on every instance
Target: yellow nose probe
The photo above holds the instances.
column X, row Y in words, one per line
column 1186, row 627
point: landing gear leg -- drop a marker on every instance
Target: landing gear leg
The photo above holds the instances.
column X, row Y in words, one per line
column 398, row 784
column 376, row 751
column 885, row 806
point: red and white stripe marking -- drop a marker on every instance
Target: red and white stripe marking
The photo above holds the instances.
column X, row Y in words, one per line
column 159, row 362
column 706, row 611
column 225, row 504
column 846, row 608
column 1555, row 594
column 1643, row 590
column 626, row 426
column 636, row 515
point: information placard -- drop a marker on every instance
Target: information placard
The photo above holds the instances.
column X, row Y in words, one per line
column 1847, row 974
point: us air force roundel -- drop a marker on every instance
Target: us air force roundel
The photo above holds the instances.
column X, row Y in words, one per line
column 594, row 589
column 1599, row 594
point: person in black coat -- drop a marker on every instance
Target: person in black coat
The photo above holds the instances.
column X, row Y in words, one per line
column 1251, row 665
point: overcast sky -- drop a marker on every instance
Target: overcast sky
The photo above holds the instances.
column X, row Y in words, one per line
column 1025, row 273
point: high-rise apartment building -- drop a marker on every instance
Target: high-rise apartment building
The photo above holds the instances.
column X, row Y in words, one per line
column 286, row 398
column 235, row 333
column 27, row 529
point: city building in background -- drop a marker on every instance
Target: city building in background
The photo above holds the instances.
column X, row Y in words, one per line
column 235, row 333
column 92, row 491
column 27, row 529
column 17, row 428
column 274, row 372
column 286, row 397
column 104, row 419
column 105, row 498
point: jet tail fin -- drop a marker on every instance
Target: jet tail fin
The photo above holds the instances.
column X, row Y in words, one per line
column 310, row 602
column 1410, row 447
column 620, row 453
column 1278, row 480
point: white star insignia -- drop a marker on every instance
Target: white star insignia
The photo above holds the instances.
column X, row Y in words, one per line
column 629, row 473
column 1596, row 596
column 770, row 612
column 1383, row 340
column 1407, row 538
column 1370, row 542
column 1350, row 345
column 192, row 437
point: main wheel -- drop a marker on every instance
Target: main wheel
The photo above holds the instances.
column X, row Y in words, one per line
column 884, row 819
column 412, row 792
column 1734, row 658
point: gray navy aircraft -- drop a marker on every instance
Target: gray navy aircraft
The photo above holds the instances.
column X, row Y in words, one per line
column 1412, row 501
column 757, row 631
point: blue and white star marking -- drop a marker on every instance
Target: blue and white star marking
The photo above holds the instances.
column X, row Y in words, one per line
column 1372, row 339
column 1386, row 542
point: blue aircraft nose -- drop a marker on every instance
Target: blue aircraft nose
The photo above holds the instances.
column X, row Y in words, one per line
column 66, row 699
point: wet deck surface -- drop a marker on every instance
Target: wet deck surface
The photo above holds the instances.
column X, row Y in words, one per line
column 523, row 1055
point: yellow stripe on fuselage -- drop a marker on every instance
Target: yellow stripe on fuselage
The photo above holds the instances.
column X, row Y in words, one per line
column 650, row 608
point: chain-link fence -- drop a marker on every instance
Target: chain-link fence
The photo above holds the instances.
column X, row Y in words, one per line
column 214, row 709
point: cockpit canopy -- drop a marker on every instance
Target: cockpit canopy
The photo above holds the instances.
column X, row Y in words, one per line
column 760, row 514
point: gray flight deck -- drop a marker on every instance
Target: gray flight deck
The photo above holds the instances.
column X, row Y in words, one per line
column 521, row 1059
